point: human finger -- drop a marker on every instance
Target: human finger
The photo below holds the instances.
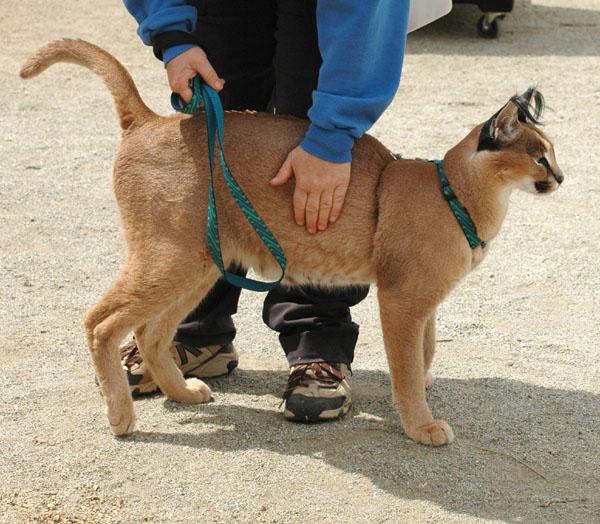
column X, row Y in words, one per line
column 183, row 90
column 312, row 211
column 284, row 174
column 325, row 206
column 299, row 203
column 209, row 75
column 339, row 195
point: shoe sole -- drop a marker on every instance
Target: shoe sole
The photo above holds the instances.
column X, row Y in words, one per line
column 218, row 365
column 299, row 408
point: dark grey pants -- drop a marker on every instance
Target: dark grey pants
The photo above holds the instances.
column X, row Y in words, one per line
column 267, row 52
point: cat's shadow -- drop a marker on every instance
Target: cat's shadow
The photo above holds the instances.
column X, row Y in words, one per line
column 517, row 444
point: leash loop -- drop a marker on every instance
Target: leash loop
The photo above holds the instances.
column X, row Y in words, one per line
column 204, row 94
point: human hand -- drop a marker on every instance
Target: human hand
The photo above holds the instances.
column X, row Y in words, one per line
column 186, row 66
column 320, row 188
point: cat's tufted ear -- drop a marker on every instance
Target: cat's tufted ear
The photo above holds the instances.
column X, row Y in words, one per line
column 500, row 130
column 506, row 128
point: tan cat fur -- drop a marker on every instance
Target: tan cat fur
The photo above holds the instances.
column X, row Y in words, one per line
column 396, row 230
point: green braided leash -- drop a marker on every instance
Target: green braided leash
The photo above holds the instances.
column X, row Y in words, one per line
column 204, row 94
column 460, row 212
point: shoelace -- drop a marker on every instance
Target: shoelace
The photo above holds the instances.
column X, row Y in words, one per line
column 130, row 354
column 327, row 376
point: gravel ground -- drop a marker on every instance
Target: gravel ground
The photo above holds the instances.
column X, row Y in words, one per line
column 517, row 367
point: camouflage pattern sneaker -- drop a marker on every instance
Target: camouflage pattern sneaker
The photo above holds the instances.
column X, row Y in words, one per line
column 317, row 392
column 202, row 362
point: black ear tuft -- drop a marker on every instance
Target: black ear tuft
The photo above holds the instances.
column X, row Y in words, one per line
column 531, row 105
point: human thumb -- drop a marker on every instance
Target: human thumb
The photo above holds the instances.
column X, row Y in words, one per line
column 284, row 174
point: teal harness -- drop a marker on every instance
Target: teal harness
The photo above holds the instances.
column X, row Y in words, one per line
column 214, row 127
column 460, row 212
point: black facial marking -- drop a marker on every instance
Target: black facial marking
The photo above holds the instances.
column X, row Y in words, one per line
column 542, row 186
column 544, row 162
column 557, row 176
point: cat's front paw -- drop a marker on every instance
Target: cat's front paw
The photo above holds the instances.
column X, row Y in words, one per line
column 436, row 433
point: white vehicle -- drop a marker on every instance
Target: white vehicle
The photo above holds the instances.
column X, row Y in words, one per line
column 423, row 12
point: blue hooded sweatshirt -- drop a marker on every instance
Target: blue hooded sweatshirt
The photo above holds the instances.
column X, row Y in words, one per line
column 362, row 47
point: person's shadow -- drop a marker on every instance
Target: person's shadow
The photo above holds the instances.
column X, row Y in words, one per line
column 517, row 445
column 531, row 29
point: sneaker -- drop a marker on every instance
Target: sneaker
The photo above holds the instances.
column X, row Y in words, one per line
column 202, row 362
column 317, row 392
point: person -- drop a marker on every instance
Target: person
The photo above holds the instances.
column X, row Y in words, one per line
column 335, row 62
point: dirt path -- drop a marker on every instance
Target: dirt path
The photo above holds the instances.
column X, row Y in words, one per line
column 517, row 371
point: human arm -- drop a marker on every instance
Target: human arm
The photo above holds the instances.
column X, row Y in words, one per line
column 168, row 25
column 362, row 47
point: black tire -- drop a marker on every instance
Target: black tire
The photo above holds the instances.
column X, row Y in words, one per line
column 485, row 30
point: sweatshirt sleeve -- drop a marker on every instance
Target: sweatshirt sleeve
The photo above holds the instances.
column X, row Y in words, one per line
column 362, row 46
column 165, row 24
